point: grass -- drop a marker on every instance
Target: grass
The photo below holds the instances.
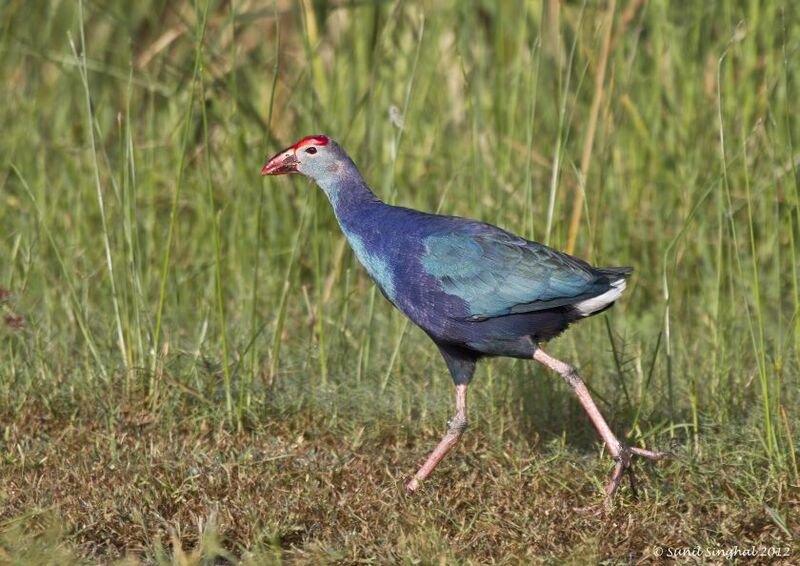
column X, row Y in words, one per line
column 193, row 365
column 318, row 494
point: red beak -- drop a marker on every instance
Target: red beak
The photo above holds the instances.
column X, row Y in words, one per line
column 282, row 163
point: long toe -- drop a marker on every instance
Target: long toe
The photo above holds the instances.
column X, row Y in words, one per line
column 624, row 465
column 649, row 454
column 616, row 478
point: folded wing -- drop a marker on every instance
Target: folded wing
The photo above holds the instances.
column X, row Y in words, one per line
column 497, row 274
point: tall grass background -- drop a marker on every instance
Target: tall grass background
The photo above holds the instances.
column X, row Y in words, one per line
column 154, row 270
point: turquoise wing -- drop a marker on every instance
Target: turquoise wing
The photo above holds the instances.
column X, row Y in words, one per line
column 496, row 273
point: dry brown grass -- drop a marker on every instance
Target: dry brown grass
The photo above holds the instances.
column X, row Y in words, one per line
column 290, row 489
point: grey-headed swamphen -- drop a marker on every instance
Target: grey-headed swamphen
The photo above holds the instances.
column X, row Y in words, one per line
column 475, row 289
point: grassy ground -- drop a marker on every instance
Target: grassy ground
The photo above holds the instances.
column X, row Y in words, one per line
column 193, row 366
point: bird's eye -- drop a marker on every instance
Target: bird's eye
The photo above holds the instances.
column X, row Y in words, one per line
column 311, row 150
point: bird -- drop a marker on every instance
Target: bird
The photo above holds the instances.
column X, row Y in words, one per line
column 475, row 289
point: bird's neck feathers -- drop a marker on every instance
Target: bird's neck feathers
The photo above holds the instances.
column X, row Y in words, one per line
column 347, row 190
column 359, row 213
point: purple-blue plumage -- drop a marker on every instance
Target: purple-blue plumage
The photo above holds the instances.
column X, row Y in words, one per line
column 474, row 288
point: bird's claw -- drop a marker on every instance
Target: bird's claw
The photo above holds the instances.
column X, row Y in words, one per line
column 624, row 465
column 412, row 486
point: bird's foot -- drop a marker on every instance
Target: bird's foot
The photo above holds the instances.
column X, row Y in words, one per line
column 624, row 465
column 412, row 486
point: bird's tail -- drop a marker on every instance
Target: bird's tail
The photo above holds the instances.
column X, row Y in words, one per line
column 617, row 279
column 616, row 272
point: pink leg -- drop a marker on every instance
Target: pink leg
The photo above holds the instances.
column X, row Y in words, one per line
column 620, row 452
column 455, row 428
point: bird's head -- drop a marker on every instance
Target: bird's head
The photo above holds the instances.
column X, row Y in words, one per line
column 313, row 156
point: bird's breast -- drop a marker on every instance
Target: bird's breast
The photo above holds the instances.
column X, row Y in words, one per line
column 375, row 264
column 391, row 256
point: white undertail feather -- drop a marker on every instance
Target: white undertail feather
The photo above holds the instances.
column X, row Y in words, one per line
column 591, row 306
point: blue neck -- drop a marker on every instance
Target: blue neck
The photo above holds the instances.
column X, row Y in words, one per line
column 348, row 194
column 354, row 204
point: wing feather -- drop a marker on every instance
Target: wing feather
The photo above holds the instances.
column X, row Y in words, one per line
column 497, row 273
